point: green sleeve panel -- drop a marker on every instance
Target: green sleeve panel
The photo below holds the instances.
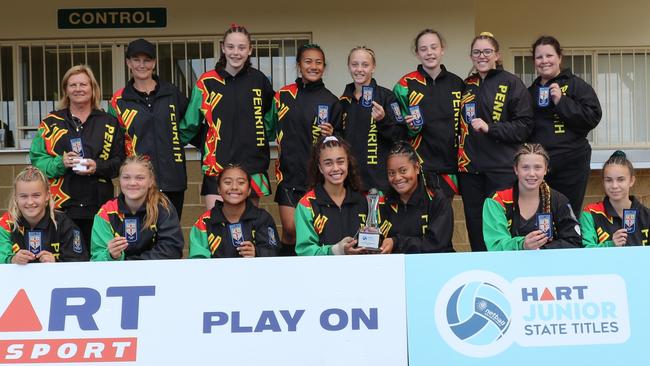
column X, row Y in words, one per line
column 271, row 123
column 51, row 166
column 101, row 235
column 199, row 246
column 401, row 93
column 589, row 234
column 307, row 241
column 191, row 121
column 111, row 110
column 495, row 229
column 6, row 251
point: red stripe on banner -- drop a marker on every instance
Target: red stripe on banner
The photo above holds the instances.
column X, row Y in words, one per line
column 20, row 351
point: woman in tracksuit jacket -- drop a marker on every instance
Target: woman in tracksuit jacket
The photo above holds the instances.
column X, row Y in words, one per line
column 79, row 130
column 369, row 121
column 233, row 98
column 619, row 219
column 496, row 116
column 235, row 227
column 149, row 111
column 295, row 118
column 416, row 218
column 565, row 112
column 437, row 93
column 140, row 223
column 31, row 231
column 329, row 216
column 511, row 216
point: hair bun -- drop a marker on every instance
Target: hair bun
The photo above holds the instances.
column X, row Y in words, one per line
column 488, row 34
column 619, row 154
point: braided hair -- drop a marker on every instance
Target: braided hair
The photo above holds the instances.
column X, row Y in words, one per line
column 619, row 158
column 234, row 28
column 544, row 189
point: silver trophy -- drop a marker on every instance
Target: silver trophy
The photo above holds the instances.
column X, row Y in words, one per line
column 369, row 235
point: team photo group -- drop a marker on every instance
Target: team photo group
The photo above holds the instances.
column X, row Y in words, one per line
column 371, row 169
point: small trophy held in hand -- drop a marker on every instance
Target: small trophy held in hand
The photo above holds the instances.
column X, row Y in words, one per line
column 369, row 235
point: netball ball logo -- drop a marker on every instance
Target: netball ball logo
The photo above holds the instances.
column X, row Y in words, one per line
column 473, row 313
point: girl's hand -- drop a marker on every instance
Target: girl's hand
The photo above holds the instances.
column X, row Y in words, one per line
column 23, row 257
column 246, row 249
column 91, row 167
column 620, row 237
column 116, row 246
column 409, row 122
column 326, row 129
column 377, row 111
column 535, row 240
column 556, row 93
column 479, row 125
column 348, row 246
column 69, row 159
column 387, row 246
column 45, row 257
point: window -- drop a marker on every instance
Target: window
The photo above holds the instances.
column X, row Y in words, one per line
column 31, row 72
column 620, row 78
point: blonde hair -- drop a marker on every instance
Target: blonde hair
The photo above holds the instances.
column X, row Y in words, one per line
column 544, row 189
column 30, row 174
column 64, row 101
column 493, row 41
column 154, row 197
column 363, row 48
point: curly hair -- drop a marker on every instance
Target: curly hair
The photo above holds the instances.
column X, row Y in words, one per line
column 315, row 177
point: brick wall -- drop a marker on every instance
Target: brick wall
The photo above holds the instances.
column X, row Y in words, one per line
column 194, row 206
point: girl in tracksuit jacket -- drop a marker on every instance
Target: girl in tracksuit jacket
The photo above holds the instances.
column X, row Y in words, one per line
column 566, row 109
column 496, row 116
column 370, row 119
column 329, row 216
column 233, row 99
column 530, row 215
column 302, row 112
column 436, row 92
column 416, row 218
column 31, row 231
column 619, row 219
column 141, row 223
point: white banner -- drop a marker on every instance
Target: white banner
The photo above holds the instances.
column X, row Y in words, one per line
column 271, row 311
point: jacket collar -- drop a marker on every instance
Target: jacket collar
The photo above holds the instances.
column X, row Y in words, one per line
column 41, row 225
column 443, row 73
column 611, row 212
column 124, row 209
column 324, row 199
column 226, row 75
column 310, row 86
column 563, row 75
column 350, row 88
column 217, row 216
column 418, row 196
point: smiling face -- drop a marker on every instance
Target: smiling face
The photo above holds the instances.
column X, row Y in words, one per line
column 333, row 165
column 32, row 199
column 361, row 66
column 617, row 181
column 312, row 65
column 547, row 61
column 484, row 56
column 403, row 175
column 430, row 51
column 530, row 171
column 78, row 89
column 236, row 48
column 234, row 186
column 141, row 66
column 135, row 181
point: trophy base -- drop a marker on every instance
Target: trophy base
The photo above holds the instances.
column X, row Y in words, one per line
column 369, row 241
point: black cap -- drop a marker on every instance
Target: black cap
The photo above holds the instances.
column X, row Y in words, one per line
column 141, row 46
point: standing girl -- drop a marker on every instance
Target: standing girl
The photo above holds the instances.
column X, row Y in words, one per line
column 566, row 109
column 32, row 231
column 302, row 112
column 369, row 124
column 496, row 116
column 140, row 223
column 415, row 218
column 329, row 216
column 530, row 215
column 233, row 98
column 234, row 227
column 619, row 219
column 149, row 110
column 436, row 93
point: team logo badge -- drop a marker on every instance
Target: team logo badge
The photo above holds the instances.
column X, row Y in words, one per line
column 272, row 240
column 544, row 96
column 131, row 229
column 629, row 220
column 76, row 241
column 323, row 113
column 545, row 224
column 77, row 146
column 237, row 234
column 417, row 115
column 470, row 112
column 366, row 96
column 397, row 112
column 35, row 241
